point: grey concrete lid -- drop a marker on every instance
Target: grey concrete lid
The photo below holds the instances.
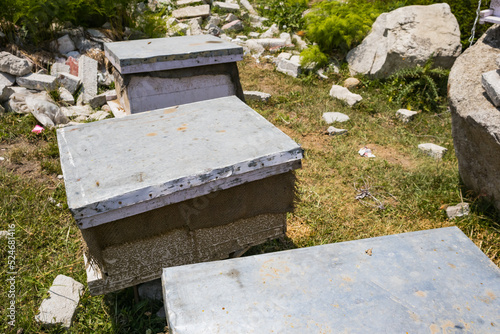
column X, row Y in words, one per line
column 125, row 166
column 148, row 55
column 419, row 282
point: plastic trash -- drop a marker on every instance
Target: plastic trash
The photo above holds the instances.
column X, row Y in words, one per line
column 366, row 152
column 37, row 129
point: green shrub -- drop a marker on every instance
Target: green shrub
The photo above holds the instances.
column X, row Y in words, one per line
column 313, row 55
column 287, row 14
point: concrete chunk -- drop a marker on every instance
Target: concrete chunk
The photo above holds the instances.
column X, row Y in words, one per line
column 491, row 83
column 406, row 115
column 191, row 11
column 69, row 81
column 433, row 150
column 37, row 81
column 459, row 210
column 58, row 68
column 65, row 44
column 66, row 96
column 98, row 101
column 290, row 67
column 345, row 95
column 6, row 79
column 331, row 117
column 257, row 96
column 60, row 306
column 87, row 72
column 230, row 7
column 14, row 65
column 233, row 26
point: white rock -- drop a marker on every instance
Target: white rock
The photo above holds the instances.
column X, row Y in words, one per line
column 333, row 131
column 406, row 115
column 213, row 19
column 6, row 79
column 231, row 17
column 60, row 306
column 284, row 55
column 351, row 83
column 65, row 44
column 37, row 81
column 230, row 7
column 192, row 11
column 69, row 81
column 254, row 46
column 99, row 115
column 253, row 34
column 286, row 36
column 331, row 117
column 87, row 72
column 301, row 44
column 58, row 68
column 290, row 67
column 269, row 33
column 406, row 37
column 17, row 99
column 491, row 84
column 74, row 111
column 248, row 6
column 233, row 26
column 66, row 96
column 194, row 27
column 255, row 95
column 345, row 95
column 180, row 29
column 270, row 42
column 459, row 210
column 14, row 65
column 433, row 150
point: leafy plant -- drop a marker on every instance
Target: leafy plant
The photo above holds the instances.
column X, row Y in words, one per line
column 422, row 87
column 313, row 55
column 287, row 14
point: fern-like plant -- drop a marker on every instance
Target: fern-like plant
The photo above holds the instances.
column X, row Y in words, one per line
column 421, row 87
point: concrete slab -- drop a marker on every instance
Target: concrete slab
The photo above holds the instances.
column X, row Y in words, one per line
column 420, row 282
column 191, row 11
column 170, row 53
column 37, row 81
column 433, row 150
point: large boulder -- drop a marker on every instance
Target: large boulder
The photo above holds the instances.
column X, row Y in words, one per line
column 475, row 120
column 407, row 37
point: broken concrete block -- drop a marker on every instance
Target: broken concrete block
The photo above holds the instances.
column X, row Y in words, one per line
column 290, row 67
column 98, row 101
column 69, row 81
column 406, row 115
column 37, row 81
column 230, row 7
column 87, row 72
column 491, row 83
column 331, row 117
column 333, row 131
column 192, row 11
column 433, row 150
column 6, row 79
column 66, row 96
column 459, row 210
column 111, row 95
column 14, row 65
column 269, row 33
column 257, row 96
column 58, row 68
column 60, row 306
column 233, row 26
column 65, row 44
column 345, row 95
column 150, row 290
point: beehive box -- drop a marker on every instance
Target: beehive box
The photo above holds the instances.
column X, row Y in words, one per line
column 434, row 281
column 180, row 185
column 163, row 72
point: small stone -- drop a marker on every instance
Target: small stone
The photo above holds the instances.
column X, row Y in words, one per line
column 60, row 306
column 269, row 33
column 290, row 67
column 111, row 95
column 213, row 20
column 37, row 81
column 66, row 96
column 433, row 150
column 192, row 11
column 73, row 111
column 215, row 31
column 57, row 68
column 195, row 27
column 253, row 34
column 351, row 83
column 491, row 83
column 180, row 29
column 248, row 6
column 406, row 115
column 65, row 44
column 98, row 101
column 284, row 55
column 6, row 79
column 321, row 74
column 60, row 177
column 231, row 17
column 459, row 210
column 99, row 115
column 87, row 72
column 286, row 36
column 233, row 26
column 230, row 7
column 331, row 117
column 256, row 96
column 345, row 95
column 150, row 290
column 14, row 65
column 332, row 131
column 69, row 81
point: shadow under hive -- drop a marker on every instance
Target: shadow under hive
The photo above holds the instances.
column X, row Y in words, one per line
column 174, row 186
column 163, row 72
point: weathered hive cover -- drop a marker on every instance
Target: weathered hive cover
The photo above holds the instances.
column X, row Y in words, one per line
column 117, row 168
column 434, row 281
column 148, row 55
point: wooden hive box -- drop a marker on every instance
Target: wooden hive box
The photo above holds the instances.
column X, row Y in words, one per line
column 197, row 182
column 164, row 72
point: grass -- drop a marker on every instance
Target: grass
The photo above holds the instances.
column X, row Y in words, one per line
column 412, row 187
